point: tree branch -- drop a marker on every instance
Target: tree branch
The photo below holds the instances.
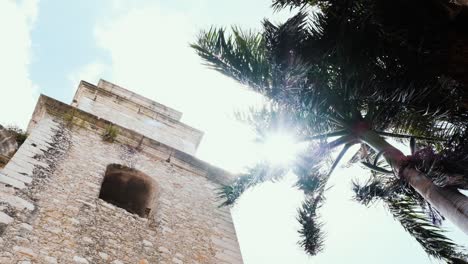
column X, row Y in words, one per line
column 394, row 135
column 376, row 168
column 337, row 160
column 346, row 139
column 327, row 135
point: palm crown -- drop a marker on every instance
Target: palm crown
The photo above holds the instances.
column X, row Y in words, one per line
column 327, row 80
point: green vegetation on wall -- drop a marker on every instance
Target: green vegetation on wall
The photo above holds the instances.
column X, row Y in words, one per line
column 110, row 134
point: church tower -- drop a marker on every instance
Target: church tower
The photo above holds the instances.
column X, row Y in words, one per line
column 112, row 178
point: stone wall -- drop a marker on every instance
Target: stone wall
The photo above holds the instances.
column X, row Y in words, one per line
column 21, row 180
column 50, row 211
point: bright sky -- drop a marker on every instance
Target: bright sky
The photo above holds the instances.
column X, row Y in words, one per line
column 49, row 45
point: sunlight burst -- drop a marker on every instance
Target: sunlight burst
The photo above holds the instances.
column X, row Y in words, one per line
column 281, row 148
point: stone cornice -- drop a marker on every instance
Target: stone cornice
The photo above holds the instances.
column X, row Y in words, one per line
column 138, row 99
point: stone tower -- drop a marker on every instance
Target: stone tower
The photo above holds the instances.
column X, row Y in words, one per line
column 112, row 178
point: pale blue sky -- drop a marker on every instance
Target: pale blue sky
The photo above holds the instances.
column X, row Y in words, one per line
column 49, row 45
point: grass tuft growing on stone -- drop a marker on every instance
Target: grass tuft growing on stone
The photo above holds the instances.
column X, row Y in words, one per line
column 110, row 134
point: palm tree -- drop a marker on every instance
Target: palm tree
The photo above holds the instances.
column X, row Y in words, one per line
column 335, row 98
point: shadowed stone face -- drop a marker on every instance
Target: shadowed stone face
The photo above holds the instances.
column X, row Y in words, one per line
column 8, row 143
column 128, row 189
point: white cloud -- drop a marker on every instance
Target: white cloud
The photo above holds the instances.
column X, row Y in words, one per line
column 91, row 72
column 19, row 93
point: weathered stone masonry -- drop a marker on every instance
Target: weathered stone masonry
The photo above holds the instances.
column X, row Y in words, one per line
column 49, row 206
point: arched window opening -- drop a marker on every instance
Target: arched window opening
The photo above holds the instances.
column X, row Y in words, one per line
column 129, row 189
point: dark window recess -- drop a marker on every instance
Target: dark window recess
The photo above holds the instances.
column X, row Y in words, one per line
column 128, row 188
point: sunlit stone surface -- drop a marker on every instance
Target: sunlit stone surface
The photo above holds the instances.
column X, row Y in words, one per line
column 50, row 211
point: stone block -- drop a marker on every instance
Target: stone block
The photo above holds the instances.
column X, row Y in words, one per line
column 80, row 260
column 5, row 219
column 10, row 181
column 25, row 251
column 16, row 202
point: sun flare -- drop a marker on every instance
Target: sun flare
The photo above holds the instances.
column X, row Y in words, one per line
column 281, row 148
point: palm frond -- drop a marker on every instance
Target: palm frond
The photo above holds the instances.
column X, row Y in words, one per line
column 241, row 56
column 393, row 135
column 312, row 179
column 429, row 112
column 311, row 232
column 311, row 169
column 280, row 4
column 373, row 190
column 430, row 237
column 258, row 174
column 258, row 60
column 417, row 217
column 272, row 63
column 313, row 176
column 376, row 168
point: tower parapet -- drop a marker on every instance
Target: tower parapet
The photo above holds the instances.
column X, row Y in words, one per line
column 135, row 112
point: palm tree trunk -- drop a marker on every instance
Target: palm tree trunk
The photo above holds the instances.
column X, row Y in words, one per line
column 449, row 201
